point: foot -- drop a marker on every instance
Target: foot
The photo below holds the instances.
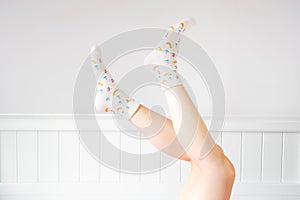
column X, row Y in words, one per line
column 109, row 97
column 163, row 59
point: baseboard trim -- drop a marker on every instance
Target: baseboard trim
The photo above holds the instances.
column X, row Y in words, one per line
column 137, row 191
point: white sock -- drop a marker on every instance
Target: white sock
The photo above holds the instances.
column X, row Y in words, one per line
column 166, row 52
column 109, row 98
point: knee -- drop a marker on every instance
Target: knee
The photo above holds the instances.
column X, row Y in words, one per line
column 217, row 163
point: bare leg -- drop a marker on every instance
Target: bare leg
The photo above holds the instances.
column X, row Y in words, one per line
column 212, row 175
column 160, row 131
column 213, row 182
column 187, row 121
column 210, row 178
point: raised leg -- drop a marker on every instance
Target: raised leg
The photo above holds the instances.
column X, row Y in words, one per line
column 111, row 99
column 212, row 173
column 159, row 131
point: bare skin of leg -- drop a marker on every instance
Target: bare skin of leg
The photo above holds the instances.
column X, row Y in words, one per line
column 165, row 135
column 211, row 177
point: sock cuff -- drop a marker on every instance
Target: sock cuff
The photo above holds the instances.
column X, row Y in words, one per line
column 133, row 108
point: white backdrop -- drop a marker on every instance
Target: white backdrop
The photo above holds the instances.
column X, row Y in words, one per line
column 254, row 45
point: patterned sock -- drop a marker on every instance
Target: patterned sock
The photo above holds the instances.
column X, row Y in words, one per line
column 165, row 54
column 110, row 98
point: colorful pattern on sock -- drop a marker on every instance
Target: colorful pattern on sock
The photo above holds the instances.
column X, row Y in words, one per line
column 110, row 98
column 166, row 76
column 105, row 87
column 171, row 40
column 96, row 60
column 165, row 54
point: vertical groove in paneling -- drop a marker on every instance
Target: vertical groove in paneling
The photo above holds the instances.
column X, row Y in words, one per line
column 160, row 175
column 110, row 173
column 69, row 156
column 262, row 157
column 252, row 157
column 100, row 156
column 272, row 153
column 17, row 158
column 101, row 152
column 232, row 149
column 221, row 138
column 1, row 152
column 89, row 166
column 180, row 171
column 59, row 156
column 146, row 149
column 185, row 170
column 8, row 154
column 130, row 148
column 1, row 156
column 27, row 157
column 38, row 156
column 241, row 156
column 48, row 156
column 282, row 156
column 120, row 154
column 140, row 157
column 79, row 157
column 291, row 173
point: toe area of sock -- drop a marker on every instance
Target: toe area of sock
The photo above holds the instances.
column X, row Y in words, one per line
column 189, row 23
column 95, row 49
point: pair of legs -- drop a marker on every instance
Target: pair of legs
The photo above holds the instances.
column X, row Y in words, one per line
column 211, row 177
column 212, row 174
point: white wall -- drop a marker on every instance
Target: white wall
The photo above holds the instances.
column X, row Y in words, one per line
column 254, row 45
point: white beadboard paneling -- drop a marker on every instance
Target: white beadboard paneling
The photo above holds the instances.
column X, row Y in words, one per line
column 89, row 165
column 185, row 170
column 48, row 156
column 291, row 167
column 219, row 139
column 69, row 156
column 232, row 148
column 130, row 144
column 27, row 156
column 106, row 173
column 272, row 151
column 148, row 148
column 8, row 156
column 108, row 124
column 172, row 172
column 73, row 161
column 252, row 151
